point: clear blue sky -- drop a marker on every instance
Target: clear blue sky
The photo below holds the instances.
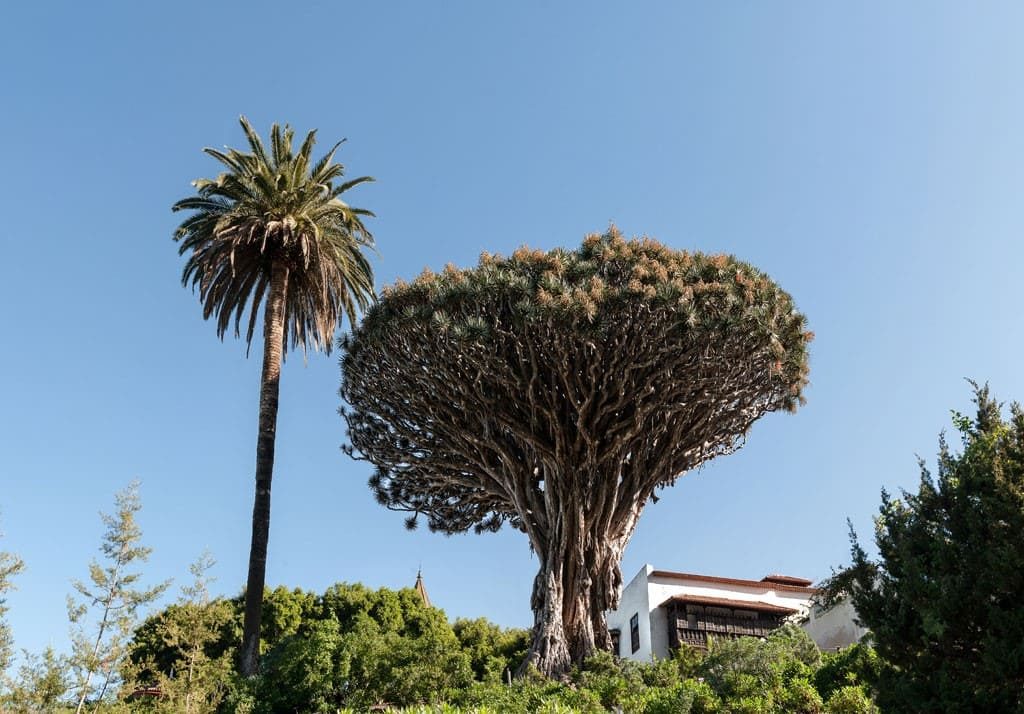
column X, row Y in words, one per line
column 869, row 156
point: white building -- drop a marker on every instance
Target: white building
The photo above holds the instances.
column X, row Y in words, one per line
column 660, row 609
column 836, row 628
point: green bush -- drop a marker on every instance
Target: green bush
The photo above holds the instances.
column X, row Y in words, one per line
column 689, row 696
column 354, row 648
column 855, row 665
column 615, row 683
column 703, row 698
column 800, row 697
column 492, row 650
column 850, row 699
column 765, row 675
column 532, row 693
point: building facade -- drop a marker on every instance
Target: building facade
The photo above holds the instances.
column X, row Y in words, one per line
column 659, row 610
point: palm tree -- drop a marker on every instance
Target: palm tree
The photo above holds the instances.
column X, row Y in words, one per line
column 272, row 231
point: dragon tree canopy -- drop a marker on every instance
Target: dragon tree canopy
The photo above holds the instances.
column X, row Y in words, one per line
column 555, row 391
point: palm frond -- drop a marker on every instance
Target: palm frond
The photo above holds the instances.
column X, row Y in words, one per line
column 325, row 163
column 352, row 184
column 300, row 165
column 231, row 159
column 255, row 143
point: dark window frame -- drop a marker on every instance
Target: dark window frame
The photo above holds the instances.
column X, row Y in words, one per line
column 616, row 637
column 634, row 633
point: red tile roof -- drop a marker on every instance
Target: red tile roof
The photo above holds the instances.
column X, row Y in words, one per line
column 761, row 584
column 787, row 580
column 735, row 604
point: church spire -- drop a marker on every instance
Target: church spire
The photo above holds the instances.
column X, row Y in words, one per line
column 421, row 588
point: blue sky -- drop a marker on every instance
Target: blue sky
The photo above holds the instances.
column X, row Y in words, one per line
column 868, row 156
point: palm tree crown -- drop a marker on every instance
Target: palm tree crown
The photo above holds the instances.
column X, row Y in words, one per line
column 277, row 210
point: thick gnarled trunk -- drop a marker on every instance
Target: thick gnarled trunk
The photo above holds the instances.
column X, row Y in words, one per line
column 578, row 582
column 270, row 379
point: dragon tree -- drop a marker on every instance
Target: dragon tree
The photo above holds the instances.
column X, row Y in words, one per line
column 556, row 392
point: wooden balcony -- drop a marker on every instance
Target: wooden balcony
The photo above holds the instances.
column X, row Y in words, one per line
column 692, row 620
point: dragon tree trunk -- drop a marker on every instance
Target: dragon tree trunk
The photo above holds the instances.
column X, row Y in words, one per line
column 578, row 582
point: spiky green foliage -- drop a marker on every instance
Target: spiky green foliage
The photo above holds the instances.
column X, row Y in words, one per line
column 556, row 391
column 943, row 601
column 470, row 385
column 273, row 208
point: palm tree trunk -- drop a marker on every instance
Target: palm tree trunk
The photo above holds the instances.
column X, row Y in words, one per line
column 273, row 349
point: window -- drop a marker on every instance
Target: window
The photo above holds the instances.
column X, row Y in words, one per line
column 634, row 632
column 616, row 636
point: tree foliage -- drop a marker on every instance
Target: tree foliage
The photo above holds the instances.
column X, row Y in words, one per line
column 349, row 646
column 277, row 209
column 361, row 647
column 773, row 674
column 42, row 683
column 943, row 601
column 352, row 649
column 104, row 614
column 857, row 665
column 493, row 651
column 10, row 566
column 194, row 673
column 556, row 391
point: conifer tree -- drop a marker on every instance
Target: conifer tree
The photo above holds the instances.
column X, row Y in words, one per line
column 104, row 614
column 556, row 392
column 943, row 600
column 42, row 684
column 196, row 681
column 10, row 566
